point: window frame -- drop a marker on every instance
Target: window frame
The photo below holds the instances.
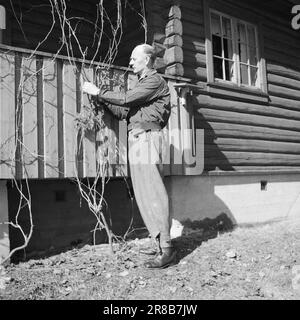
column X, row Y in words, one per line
column 3, row 9
column 220, row 86
column 236, row 57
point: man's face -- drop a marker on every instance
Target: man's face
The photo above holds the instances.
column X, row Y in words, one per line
column 138, row 60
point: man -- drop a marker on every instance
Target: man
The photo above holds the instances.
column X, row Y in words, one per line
column 146, row 108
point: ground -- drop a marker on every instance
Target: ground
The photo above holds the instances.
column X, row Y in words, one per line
column 247, row 262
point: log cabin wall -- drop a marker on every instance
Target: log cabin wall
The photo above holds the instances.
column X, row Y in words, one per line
column 244, row 130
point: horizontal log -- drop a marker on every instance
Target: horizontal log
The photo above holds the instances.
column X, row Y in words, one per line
column 284, row 103
column 198, row 73
column 193, row 30
column 175, row 12
column 159, row 19
column 213, row 130
column 192, row 5
column 175, row 70
column 194, row 58
column 285, row 36
column 275, row 44
column 194, row 44
column 249, row 108
column 283, row 92
column 283, row 71
column 284, row 81
column 248, row 119
column 157, row 5
column 174, row 40
column 160, row 63
column 174, row 26
column 159, row 49
column 192, row 15
column 281, row 59
column 265, row 170
column 173, row 55
column 251, row 158
column 248, row 145
column 157, row 36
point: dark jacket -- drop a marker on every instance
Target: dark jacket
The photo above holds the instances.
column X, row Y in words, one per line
column 146, row 106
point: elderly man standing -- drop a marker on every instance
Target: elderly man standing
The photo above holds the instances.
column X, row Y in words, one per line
column 146, row 108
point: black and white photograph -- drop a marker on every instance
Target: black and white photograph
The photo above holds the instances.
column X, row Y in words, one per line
column 149, row 153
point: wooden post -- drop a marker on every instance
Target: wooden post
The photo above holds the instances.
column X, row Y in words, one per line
column 4, row 237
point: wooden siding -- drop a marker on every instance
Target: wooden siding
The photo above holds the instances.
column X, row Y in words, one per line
column 243, row 131
column 40, row 98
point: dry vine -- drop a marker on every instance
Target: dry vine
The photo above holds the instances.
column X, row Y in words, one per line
column 90, row 117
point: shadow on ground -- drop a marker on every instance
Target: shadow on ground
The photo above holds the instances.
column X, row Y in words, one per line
column 196, row 232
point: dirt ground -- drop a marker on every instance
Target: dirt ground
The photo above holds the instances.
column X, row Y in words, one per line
column 259, row 262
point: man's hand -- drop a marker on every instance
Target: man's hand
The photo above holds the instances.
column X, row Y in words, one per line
column 90, row 88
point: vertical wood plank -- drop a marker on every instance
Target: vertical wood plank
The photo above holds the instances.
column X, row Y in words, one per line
column 50, row 113
column 30, row 151
column 113, row 130
column 174, row 134
column 7, row 115
column 102, row 78
column 60, row 119
column 122, row 138
column 89, row 142
column 40, row 117
column 122, row 149
column 70, row 111
column 19, row 125
column 79, row 147
column 208, row 44
column 166, row 148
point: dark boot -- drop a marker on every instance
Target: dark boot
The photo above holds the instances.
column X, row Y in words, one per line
column 152, row 251
column 164, row 260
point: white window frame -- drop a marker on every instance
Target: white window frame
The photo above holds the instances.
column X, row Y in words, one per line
column 236, row 57
column 2, row 22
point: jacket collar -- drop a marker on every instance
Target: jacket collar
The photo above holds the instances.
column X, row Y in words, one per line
column 150, row 72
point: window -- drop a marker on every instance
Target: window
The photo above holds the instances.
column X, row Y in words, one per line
column 235, row 50
column 2, row 22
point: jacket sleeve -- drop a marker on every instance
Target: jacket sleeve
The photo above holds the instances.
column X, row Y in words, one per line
column 142, row 93
column 117, row 111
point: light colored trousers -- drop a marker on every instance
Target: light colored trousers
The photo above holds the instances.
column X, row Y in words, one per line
column 146, row 170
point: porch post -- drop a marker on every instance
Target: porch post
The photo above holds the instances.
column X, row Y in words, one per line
column 4, row 237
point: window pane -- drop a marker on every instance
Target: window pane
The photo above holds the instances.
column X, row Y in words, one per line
column 229, row 70
column 254, row 73
column 226, row 27
column 218, row 69
column 244, row 74
column 228, row 52
column 251, row 36
column 215, row 24
column 217, row 46
column 253, row 57
column 242, row 33
column 243, row 53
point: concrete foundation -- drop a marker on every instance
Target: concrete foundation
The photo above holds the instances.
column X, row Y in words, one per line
column 61, row 219
column 245, row 199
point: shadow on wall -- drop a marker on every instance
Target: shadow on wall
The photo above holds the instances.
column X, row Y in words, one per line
column 63, row 221
column 214, row 158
